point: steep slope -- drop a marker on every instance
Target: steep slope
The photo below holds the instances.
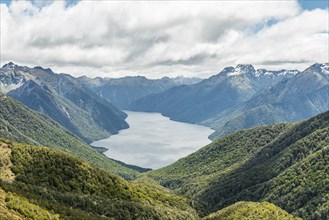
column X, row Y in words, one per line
column 286, row 164
column 18, row 123
column 299, row 97
column 251, row 211
column 13, row 207
column 75, row 119
column 56, row 94
column 196, row 103
column 73, row 189
column 123, row 91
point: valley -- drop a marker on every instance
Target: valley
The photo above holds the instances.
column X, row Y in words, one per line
column 267, row 156
column 164, row 110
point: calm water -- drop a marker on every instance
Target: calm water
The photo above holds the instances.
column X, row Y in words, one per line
column 153, row 141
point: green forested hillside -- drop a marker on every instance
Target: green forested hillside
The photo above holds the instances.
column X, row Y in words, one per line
column 251, row 211
column 287, row 164
column 18, row 123
column 43, row 183
column 57, row 184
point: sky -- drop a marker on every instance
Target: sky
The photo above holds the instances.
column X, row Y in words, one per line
column 157, row 39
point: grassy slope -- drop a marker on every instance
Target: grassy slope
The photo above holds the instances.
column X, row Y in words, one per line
column 14, row 207
column 54, row 180
column 286, row 164
column 18, row 123
column 251, row 211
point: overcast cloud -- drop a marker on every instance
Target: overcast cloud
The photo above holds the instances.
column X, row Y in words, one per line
column 155, row 39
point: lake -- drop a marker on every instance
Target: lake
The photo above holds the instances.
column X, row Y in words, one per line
column 154, row 141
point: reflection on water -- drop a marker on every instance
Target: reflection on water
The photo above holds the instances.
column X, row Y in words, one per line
column 154, row 141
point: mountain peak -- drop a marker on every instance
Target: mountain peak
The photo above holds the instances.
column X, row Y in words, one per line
column 320, row 68
column 241, row 69
column 47, row 70
column 245, row 66
column 9, row 65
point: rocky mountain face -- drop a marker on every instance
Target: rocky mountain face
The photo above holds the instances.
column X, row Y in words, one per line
column 63, row 98
column 299, row 97
column 204, row 100
column 123, row 91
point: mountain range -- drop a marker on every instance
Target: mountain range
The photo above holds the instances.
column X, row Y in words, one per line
column 277, row 171
column 243, row 97
column 235, row 98
column 122, row 92
column 64, row 99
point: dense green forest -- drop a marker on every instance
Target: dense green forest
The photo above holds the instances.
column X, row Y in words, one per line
column 251, row 211
column 42, row 183
column 73, row 189
column 286, row 164
column 19, row 123
column 283, row 168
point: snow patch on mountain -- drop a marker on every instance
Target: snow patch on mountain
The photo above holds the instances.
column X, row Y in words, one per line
column 325, row 68
column 269, row 73
column 242, row 69
column 5, row 88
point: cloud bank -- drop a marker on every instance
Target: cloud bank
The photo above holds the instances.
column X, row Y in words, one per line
column 155, row 39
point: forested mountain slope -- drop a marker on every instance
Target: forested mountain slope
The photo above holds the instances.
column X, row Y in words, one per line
column 56, row 184
column 286, row 164
column 19, row 123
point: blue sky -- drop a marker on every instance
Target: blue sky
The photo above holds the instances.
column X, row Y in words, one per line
column 312, row 4
column 305, row 4
column 43, row 2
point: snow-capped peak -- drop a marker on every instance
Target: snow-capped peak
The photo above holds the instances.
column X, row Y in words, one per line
column 242, row 69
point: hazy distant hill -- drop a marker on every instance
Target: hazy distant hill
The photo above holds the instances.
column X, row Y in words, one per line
column 64, row 99
column 285, row 164
column 123, row 91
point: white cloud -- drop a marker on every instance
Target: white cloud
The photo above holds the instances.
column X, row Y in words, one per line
column 162, row 38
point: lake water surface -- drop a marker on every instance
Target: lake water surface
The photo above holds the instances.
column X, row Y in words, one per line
column 154, row 141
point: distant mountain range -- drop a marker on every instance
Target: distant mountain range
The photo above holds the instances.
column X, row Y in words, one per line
column 236, row 98
column 243, row 97
column 122, row 92
column 63, row 98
